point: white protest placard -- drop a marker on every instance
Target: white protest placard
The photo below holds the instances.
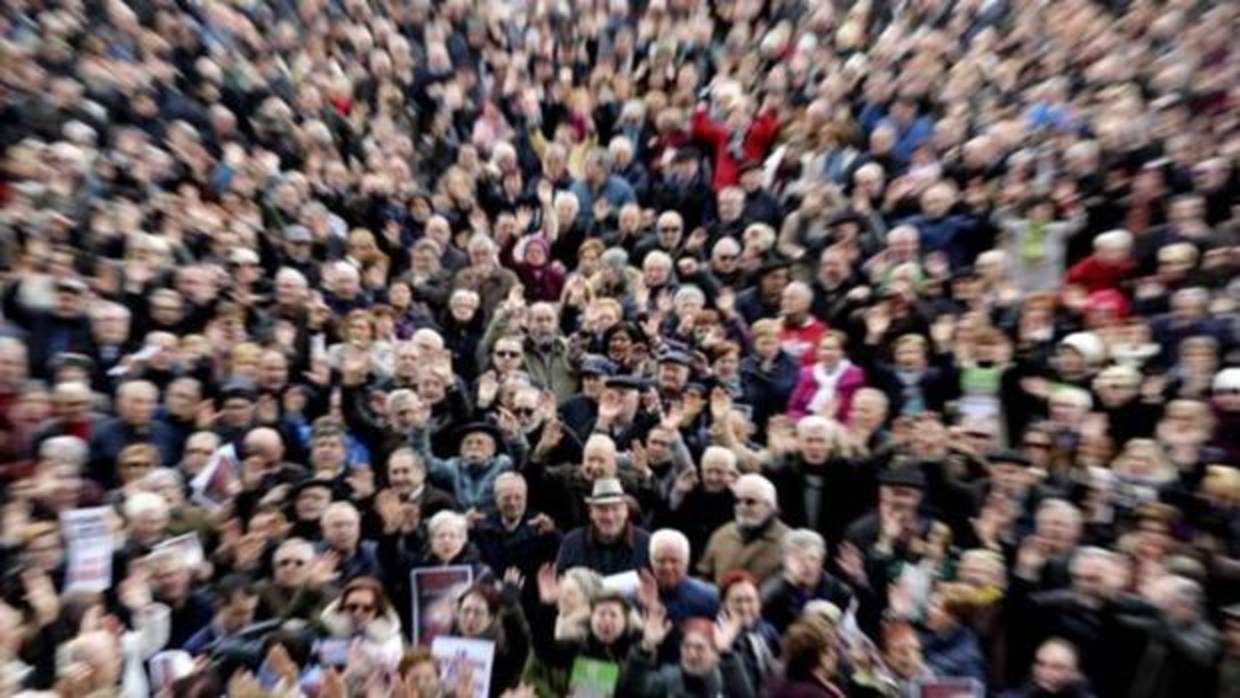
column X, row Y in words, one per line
column 459, row 654
column 217, row 482
column 625, row 583
column 187, row 546
column 88, row 547
column 169, row 666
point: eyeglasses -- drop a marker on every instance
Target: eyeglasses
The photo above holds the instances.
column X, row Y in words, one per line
column 727, row 257
column 291, row 562
column 199, row 451
column 508, row 354
column 1037, row 444
column 359, row 608
column 136, row 464
column 669, row 229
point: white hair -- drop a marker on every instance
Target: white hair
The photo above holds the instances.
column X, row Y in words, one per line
column 141, row 503
column 804, row 539
column 719, row 452
column 69, row 450
column 765, row 487
column 447, row 518
column 672, row 538
column 1114, row 240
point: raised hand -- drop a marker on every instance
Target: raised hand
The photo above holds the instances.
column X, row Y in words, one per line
column 388, row 506
column 488, row 388
column 726, row 631
column 656, row 627
column 513, row 576
column 548, row 584
column 852, row 564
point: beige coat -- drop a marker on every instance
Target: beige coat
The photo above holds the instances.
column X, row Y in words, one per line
column 727, row 551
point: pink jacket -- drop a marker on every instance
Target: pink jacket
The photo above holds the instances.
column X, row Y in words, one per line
column 807, row 386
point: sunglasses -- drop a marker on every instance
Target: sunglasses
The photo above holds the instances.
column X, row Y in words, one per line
column 136, row 464
column 748, row 501
column 524, row 411
column 669, row 229
column 508, row 354
column 359, row 608
column 1037, row 444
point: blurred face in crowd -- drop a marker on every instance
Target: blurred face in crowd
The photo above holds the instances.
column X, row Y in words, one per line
column 292, row 564
column 744, row 602
column 136, row 403
column 609, row 519
column 170, row 581
column 814, row 443
column 473, row 616
column 670, row 564
column 510, row 498
column 327, row 454
column 361, row 606
column 1054, row 668
column 608, row 621
column 448, row 540
column 477, row 448
column 803, row 565
column 341, row 529
column 237, row 612
column 753, row 507
column 599, row 459
column 718, row 472
column 697, row 654
column 405, row 474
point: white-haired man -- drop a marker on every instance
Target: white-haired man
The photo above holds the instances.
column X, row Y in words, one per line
column 752, row 541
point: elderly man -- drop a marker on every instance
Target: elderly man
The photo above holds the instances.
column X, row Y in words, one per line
column 752, row 542
column 610, row 543
column 802, row 580
column 700, row 504
column 342, row 532
column 514, row 536
column 469, row 476
column 134, row 423
column 546, row 354
column 296, row 589
column 1092, row 614
column 682, row 596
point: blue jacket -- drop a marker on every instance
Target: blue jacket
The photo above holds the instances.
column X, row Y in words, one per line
column 473, row 486
column 692, row 598
column 960, row 237
column 955, row 654
column 113, row 435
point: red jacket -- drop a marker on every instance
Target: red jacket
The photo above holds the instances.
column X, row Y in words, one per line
column 755, row 146
column 1094, row 275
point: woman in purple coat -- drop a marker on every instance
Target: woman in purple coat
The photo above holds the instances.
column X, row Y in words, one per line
column 827, row 387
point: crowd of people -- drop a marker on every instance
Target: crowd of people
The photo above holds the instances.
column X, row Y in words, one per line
column 787, row 348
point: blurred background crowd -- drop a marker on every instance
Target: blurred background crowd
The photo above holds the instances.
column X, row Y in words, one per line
column 790, row 348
